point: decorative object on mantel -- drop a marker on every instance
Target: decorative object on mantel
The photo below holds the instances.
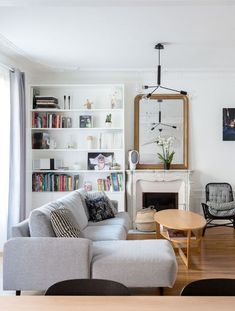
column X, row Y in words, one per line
column 159, row 47
column 167, row 156
column 133, row 159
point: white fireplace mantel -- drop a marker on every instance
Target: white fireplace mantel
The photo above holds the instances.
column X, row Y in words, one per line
column 139, row 181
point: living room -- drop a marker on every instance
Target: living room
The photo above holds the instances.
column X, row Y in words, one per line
column 102, row 53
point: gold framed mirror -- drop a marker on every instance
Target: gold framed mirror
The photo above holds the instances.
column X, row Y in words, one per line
column 161, row 116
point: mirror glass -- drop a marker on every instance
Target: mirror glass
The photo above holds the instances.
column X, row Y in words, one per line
column 161, row 116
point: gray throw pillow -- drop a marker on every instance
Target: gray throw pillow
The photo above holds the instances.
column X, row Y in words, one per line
column 64, row 224
column 40, row 222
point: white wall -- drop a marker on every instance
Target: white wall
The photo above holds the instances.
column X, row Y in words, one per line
column 210, row 158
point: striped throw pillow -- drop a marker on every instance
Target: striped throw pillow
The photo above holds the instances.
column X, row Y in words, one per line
column 64, row 224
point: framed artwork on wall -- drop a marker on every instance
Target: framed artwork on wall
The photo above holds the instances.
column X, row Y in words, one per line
column 228, row 124
column 165, row 117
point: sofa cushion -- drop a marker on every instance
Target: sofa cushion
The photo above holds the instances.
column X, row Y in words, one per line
column 139, row 263
column 40, row 222
column 63, row 223
column 99, row 208
column 73, row 202
column 104, row 233
column 121, row 218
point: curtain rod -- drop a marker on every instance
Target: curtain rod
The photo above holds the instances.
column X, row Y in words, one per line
column 7, row 67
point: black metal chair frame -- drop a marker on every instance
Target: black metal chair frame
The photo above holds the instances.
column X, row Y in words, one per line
column 210, row 287
column 210, row 218
column 91, row 287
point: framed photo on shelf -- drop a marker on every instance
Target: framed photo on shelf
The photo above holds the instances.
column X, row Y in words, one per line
column 85, row 121
column 99, row 161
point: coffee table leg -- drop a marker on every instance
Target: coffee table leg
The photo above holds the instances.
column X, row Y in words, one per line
column 158, row 235
column 186, row 257
column 188, row 247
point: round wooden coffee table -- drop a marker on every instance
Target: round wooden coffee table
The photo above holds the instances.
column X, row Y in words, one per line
column 181, row 228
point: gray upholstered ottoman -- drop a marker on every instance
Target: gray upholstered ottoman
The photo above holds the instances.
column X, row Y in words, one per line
column 138, row 263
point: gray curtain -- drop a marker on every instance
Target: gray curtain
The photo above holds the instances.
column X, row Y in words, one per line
column 17, row 175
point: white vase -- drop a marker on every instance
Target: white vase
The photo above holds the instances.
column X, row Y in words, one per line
column 108, row 124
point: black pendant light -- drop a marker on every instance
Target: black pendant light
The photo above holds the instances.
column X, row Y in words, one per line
column 160, row 47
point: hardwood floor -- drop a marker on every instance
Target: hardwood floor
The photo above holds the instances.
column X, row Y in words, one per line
column 217, row 259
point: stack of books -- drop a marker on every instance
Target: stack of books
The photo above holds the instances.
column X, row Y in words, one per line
column 45, row 102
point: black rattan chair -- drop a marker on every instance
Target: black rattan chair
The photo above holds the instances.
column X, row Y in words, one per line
column 87, row 287
column 210, row 287
column 219, row 193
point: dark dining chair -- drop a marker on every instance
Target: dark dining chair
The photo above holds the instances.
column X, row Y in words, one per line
column 210, row 287
column 89, row 287
column 219, row 205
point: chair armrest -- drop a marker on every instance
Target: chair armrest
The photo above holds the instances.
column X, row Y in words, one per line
column 205, row 209
column 37, row 263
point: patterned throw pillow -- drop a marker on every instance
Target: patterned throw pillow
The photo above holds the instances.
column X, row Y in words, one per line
column 103, row 196
column 99, row 208
column 63, row 224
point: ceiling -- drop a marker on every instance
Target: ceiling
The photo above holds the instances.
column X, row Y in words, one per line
column 57, row 35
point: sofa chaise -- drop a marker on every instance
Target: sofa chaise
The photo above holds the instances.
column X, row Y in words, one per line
column 34, row 258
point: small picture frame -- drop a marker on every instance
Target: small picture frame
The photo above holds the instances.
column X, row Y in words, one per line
column 100, row 161
column 85, row 121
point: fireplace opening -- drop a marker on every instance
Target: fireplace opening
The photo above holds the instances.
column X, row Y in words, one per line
column 160, row 200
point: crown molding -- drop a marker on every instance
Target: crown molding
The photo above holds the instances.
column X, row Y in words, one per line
column 114, row 3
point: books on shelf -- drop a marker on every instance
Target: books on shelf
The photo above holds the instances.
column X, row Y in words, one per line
column 114, row 182
column 50, row 120
column 42, row 182
column 174, row 233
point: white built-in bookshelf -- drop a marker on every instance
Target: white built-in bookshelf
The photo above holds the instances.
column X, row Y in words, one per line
column 74, row 136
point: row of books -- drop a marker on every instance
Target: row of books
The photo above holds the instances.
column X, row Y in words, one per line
column 45, row 102
column 50, row 120
column 54, row 182
column 114, row 182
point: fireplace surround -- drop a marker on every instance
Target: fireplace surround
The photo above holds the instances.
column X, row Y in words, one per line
column 157, row 181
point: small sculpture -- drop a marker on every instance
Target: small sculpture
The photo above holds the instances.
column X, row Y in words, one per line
column 114, row 100
column 88, row 104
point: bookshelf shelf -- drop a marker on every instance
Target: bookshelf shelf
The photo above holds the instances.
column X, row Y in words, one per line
column 75, row 110
column 76, row 128
column 77, row 171
column 76, row 150
column 57, row 116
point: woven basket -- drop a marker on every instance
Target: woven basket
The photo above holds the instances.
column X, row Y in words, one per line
column 145, row 220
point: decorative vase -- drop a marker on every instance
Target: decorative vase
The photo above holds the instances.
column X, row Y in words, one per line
column 167, row 166
column 108, row 124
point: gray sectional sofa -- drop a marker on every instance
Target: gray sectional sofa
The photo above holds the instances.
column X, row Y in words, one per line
column 34, row 259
